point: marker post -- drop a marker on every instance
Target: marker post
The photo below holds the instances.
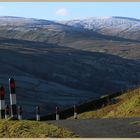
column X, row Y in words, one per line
column 7, row 111
column 13, row 97
column 57, row 113
column 75, row 112
column 2, row 102
column 19, row 113
column 37, row 113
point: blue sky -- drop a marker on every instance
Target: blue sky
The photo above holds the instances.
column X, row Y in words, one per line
column 69, row 10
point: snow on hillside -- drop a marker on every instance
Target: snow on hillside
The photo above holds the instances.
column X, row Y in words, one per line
column 128, row 28
column 100, row 22
column 115, row 26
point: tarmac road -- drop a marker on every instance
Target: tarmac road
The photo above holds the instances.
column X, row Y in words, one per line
column 102, row 128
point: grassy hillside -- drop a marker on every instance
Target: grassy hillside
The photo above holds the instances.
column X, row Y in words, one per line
column 61, row 75
column 31, row 129
column 126, row 105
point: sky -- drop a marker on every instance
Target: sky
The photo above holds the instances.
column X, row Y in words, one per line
column 69, row 10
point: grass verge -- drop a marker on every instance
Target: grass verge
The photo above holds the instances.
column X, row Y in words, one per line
column 126, row 105
column 32, row 129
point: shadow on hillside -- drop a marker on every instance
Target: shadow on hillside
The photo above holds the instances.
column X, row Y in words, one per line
column 80, row 74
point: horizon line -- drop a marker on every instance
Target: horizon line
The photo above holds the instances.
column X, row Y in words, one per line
column 125, row 17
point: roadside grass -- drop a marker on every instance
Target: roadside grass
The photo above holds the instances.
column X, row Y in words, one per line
column 126, row 105
column 135, row 123
column 32, row 129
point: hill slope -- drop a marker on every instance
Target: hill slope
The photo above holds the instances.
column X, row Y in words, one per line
column 126, row 105
column 64, row 65
column 113, row 35
column 50, row 75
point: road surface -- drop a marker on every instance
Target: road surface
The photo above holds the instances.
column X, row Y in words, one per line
column 102, row 128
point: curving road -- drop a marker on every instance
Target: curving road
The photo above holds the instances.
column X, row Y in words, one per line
column 102, row 128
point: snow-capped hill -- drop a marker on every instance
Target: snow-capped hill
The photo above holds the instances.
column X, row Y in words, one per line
column 114, row 26
column 67, row 32
column 104, row 21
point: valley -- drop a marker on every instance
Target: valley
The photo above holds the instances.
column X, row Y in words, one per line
column 61, row 64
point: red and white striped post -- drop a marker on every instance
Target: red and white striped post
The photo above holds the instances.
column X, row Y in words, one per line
column 37, row 113
column 57, row 113
column 7, row 111
column 19, row 112
column 75, row 112
column 12, row 89
column 2, row 102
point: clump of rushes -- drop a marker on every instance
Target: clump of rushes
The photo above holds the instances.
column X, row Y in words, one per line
column 32, row 129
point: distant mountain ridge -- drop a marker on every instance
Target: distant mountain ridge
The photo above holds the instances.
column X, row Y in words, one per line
column 19, row 27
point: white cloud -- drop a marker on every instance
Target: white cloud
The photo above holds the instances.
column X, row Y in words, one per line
column 61, row 12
